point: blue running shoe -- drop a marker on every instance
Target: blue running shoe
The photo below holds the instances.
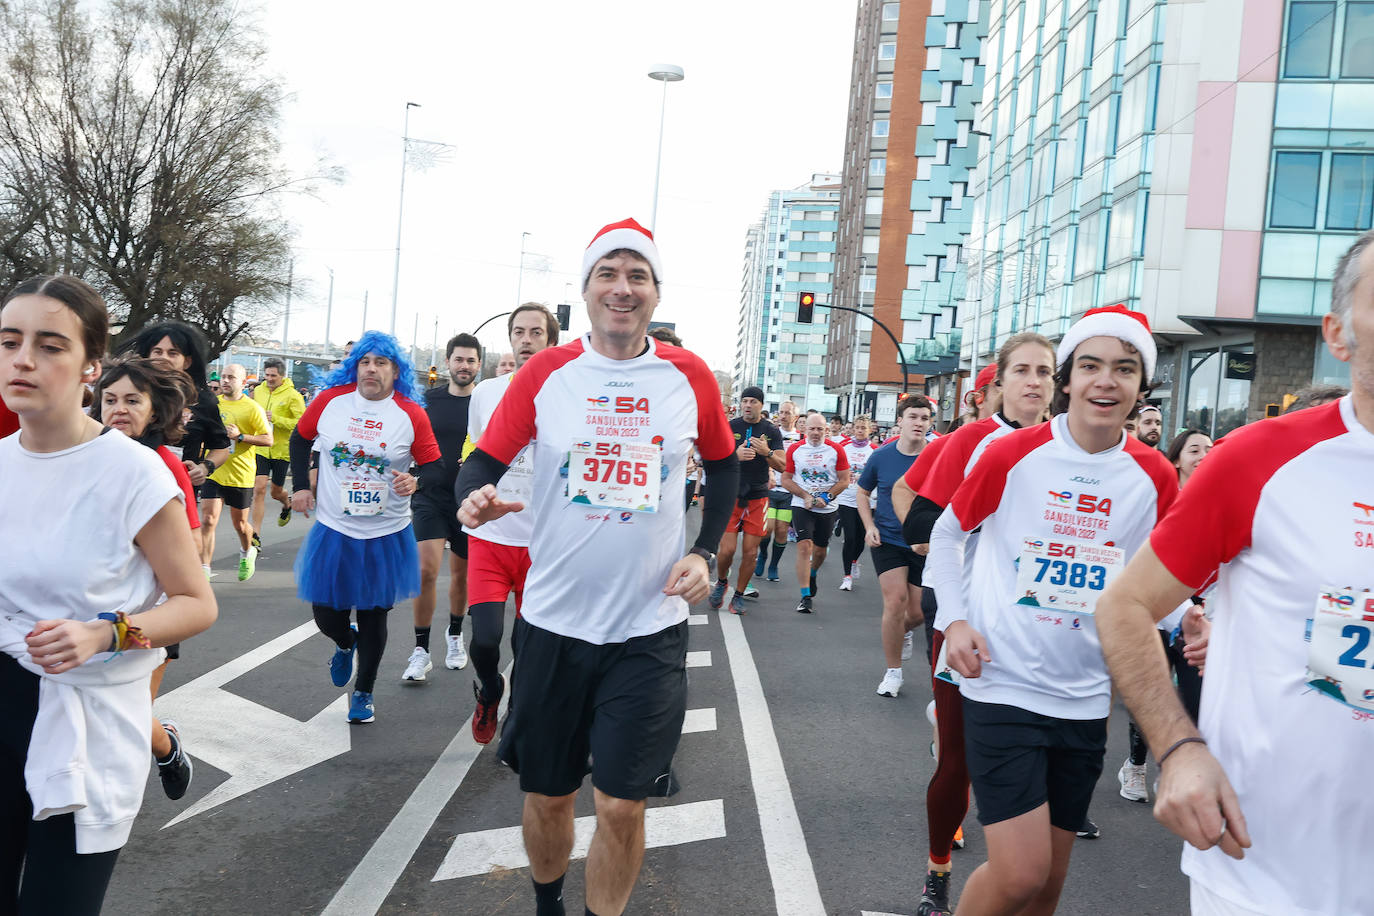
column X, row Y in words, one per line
column 762, row 561
column 360, row 708
column 717, row 596
column 341, row 665
column 772, row 574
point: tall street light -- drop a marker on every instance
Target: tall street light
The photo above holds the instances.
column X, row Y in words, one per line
column 400, row 213
column 664, row 73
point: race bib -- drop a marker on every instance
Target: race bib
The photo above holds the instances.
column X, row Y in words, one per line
column 1340, row 658
column 1065, row 575
column 615, row 475
column 363, row 497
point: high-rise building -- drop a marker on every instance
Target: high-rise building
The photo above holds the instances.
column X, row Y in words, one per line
column 1205, row 163
column 788, row 252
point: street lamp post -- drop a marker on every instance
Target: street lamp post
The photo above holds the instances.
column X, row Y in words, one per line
column 664, row 73
column 858, row 341
column 520, row 271
column 400, row 213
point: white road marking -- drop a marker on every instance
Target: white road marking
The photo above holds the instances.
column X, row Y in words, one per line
column 367, row 887
column 253, row 744
column 482, row 851
column 699, row 720
column 795, row 891
column 875, row 913
column 696, row 620
column 699, row 659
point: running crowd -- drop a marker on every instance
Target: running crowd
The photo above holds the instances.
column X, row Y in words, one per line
column 1045, row 544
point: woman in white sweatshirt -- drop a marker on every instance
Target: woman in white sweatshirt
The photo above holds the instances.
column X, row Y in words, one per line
column 95, row 532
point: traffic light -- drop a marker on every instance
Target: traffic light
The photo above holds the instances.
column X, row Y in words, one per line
column 564, row 316
column 433, row 374
column 806, row 302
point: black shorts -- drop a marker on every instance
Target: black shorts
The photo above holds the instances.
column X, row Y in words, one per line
column 275, row 468
column 613, row 710
column 779, row 499
column 1018, row 760
column 234, row 497
column 890, row 556
column 435, row 517
column 816, row 527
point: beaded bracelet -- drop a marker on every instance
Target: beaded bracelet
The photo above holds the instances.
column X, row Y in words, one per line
column 1191, row 739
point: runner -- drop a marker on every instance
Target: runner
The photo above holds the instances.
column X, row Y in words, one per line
column 1018, row 625
column 1279, row 516
column 836, row 433
column 499, row 555
column 78, row 640
column 283, row 405
column 436, row 512
column 896, row 562
column 232, row 483
column 360, row 554
column 824, row 473
column 506, row 364
column 857, row 450
column 601, row 672
column 778, row 521
column 144, row 400
column 759, row 451
column 1150, row 425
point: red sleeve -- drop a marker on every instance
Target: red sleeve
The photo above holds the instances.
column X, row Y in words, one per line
column 923, row 463
column 791, row 466
column 842, row 462
column 423, row 448
column 715, row 441
column 947, row 472
column 184, row 481
column 1163, row 474
column 308, row 426
column 9, row 420
column 512, row 424
column 1213, row 518
column 979, row 494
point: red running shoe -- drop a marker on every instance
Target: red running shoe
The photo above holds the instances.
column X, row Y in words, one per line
column 484, row 717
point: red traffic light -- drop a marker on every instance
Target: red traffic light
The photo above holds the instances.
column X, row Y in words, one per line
column 806, row 303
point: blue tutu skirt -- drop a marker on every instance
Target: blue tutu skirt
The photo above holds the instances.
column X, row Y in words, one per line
column 342, row 572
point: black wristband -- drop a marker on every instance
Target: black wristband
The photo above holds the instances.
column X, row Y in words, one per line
column 1191, row 739
column 208, row 465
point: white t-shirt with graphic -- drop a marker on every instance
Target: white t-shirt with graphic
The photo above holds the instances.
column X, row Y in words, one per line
column 857, row 454
column 815, row 468
column 517, row 484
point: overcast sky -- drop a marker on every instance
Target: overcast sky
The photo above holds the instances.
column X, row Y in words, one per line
column 555, row 126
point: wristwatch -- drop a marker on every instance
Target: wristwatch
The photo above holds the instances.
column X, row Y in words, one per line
column 704, row 554
column 209, row 466
column 240, row 438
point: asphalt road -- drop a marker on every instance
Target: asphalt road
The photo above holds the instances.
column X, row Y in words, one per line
column 802, row 790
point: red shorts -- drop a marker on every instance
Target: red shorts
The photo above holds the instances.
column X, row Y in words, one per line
column 749, row 518
column 496, row 570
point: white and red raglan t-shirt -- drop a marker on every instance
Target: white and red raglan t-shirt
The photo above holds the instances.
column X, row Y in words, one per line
column 360, row 442
column 857, row 454
column 1281, row 513
column 515, row 529
column 937, row 477
column 1058, row 524
column 815, row 468
column 611, row 440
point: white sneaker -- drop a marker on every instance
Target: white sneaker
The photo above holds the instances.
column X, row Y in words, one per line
column 907, row 646
column 846, row 584
column 854, row 570
column 457, row 655
column 1132, row 779
column 418, row 665
column 892, row 683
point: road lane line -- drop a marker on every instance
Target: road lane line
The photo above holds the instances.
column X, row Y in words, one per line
column 482, row 851
column 696, row 620
column 368, row 886
column 699, row 720
column 795, row 891
column 699, row 659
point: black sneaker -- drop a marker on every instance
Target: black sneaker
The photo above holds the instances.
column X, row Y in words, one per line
column 256, row 541
column 1089, row 830
column 935, row 896
column 804, row 605
column 175, row 771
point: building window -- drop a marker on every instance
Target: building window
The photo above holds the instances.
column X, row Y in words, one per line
column 877, row 167
column 880, row 128
column 1293, row 203
column 1310, row 26
column 1357, row 54
column 891, row 11
column 887, row 50
column 1350, row 194
column 883, row 90
column 873, row 206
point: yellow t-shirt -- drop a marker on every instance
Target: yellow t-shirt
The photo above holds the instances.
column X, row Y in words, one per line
column 242, row 466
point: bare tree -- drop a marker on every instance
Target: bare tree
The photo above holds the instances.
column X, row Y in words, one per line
column 138, row 150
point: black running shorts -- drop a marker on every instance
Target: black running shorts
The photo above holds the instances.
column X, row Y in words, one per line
column 436, row 516
column 234, row 497
column 891, row 556
column 1018, row 760
column 275, row 468
column 816, row 527
column 613, row 710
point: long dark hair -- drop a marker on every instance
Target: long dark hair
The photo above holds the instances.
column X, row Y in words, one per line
column 79, row 296
column 184, row 337
column 1175, row 450
column 169, row 391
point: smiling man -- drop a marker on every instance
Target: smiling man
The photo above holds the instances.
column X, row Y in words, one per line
column 600, row 676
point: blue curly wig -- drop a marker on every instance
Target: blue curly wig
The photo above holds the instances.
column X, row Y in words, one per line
column 378, row 344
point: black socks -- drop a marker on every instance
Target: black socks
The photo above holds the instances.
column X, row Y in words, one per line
column 548, row 898
column 422, row 638
column 455, row 625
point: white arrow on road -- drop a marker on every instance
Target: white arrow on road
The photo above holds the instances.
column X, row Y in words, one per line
column 255, row 745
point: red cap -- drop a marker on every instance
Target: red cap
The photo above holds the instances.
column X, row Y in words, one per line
column 986, row 377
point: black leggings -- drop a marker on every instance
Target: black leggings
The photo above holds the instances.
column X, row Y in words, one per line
column 1189, row 691
column 40, row 869
column 853, row 528
column 370, row 638
column 488, row 622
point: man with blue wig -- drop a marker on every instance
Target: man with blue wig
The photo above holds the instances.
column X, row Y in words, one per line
column 369, row 428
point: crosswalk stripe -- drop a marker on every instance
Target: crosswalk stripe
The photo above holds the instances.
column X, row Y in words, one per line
column 699, row 720
column 482, row 851
column 696, row 620
column 699, row 659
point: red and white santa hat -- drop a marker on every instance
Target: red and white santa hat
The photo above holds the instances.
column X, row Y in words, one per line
column 1112, row 321
column 625, row 234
